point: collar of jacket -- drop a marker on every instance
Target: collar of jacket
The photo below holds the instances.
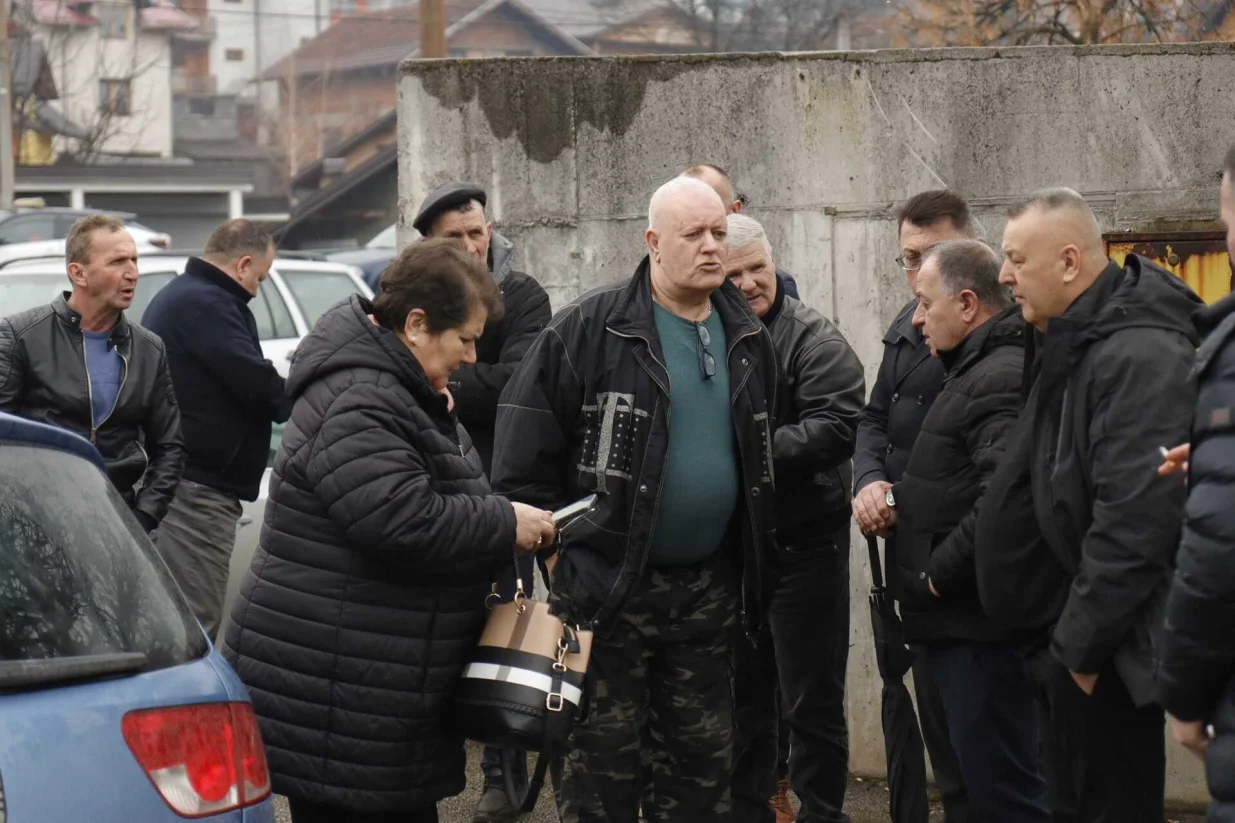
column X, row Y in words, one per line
column 501, row 257
column 60, row 306
column 1003, row 329
column 902, row 327
column 197, row 267
column 778, row 304
column 634, row 316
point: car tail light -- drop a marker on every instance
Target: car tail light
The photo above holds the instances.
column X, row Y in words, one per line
column 161, row 241
column 204, row 759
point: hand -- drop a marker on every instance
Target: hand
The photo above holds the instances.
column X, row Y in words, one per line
column 871, row 509
column 534, row 528
column 1176, row 460
column 450, row 399
column 934, row 591
column 1087, row 682
column 1191, row 736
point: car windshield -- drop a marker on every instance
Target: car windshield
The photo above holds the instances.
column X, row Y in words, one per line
column 78, row 576
column 19, row 292
column 318, row 291
column 384, row 240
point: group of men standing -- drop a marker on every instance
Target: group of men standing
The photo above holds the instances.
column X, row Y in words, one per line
column 1009, row 455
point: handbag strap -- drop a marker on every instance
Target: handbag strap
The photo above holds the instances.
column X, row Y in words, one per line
column 872, row 547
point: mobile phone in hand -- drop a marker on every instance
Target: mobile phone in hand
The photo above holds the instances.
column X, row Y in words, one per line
column 569, row 514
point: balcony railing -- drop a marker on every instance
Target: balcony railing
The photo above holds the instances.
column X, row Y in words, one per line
column 184, row 82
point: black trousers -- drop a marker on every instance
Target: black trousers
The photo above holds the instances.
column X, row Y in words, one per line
column 1105, row 758
column 805, row 650
column 305, row 812
column 491, row 760
column 989, row 704
column 944, row 763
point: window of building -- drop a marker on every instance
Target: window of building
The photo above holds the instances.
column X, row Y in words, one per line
column 234, row 55
column 114, row 96
column 113, row 18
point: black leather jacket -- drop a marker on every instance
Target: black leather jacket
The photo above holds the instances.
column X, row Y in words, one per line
column 43, row 377
column 824, row 387
column 587, row 411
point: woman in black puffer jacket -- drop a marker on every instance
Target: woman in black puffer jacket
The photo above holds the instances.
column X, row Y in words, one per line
column 366, row 595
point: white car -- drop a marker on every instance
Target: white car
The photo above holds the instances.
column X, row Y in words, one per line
column 289, row 302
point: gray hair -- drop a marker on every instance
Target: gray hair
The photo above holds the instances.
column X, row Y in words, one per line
column 237, row 238
column 745, row 230
column 970, row 265
column 1054, row 199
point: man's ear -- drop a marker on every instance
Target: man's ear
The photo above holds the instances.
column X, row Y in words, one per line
column 970, row 306
column 653, row 241
column 77, row 274
column 1071, row 262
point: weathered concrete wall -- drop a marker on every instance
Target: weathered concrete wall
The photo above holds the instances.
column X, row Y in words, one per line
column 823, row 145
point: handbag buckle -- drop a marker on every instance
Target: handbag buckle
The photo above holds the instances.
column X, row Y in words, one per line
column 554, row 702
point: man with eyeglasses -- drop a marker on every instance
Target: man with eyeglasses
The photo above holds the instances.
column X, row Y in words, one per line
column 658, row 395
column 909, row 380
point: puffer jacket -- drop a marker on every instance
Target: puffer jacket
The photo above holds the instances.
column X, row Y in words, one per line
column 961, row 444
column 367, row 592
column 823, row 389
column 43, row 377
column 587, row 412
column 1197, row 675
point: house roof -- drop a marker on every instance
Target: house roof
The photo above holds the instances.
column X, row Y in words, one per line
column 386, row 37
column 384, row 162
column 156, row 14
column 585, row 19
column 310, row 176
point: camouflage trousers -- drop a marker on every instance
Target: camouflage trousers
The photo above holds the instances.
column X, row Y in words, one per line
column 660, row 729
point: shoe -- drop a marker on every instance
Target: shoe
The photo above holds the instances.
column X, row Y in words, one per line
column 780, row 803
column 494, row 807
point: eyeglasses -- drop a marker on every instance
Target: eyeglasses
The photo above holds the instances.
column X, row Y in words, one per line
column 707, row 363
column 909, row 262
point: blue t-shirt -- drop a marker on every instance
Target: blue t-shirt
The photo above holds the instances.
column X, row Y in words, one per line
column 700, row 487
column 106, row 370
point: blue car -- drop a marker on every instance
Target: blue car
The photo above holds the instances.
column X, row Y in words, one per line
column 113, row 704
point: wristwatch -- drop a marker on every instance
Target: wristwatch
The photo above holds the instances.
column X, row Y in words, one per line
column 890, row 500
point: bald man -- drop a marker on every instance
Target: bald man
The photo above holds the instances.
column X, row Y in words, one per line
column 1080, row 529
column 658, row 395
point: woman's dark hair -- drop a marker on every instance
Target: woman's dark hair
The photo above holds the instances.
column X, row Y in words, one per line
column 438, row 277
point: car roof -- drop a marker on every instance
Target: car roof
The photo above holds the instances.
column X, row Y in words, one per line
column 15, row 429
column 153, row 263
column 124, row 215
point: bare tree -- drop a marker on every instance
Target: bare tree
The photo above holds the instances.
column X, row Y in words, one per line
column 769, row 25
column 1048, row 22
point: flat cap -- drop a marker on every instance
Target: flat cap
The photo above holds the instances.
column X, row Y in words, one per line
column 444, row 198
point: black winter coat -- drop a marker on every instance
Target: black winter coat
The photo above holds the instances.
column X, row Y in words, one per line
column 961, row 443
column 587, row 412
column 478, row 386
column 229, row 393
column 367, row 593
column 1197, row 676
column 1112, row 386
column 43, row 377
column 908, row 382
column 823, row 387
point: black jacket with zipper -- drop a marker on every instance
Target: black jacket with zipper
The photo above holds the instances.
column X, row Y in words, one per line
column 587, row 411
column 43, row 377
column 477, row 386
column 1110, row 385
column 366, row 596
column 1198, row 653
column 823, row 387
column 961, row 443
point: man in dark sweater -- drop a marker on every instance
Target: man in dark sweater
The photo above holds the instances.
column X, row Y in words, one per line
column 229, row 396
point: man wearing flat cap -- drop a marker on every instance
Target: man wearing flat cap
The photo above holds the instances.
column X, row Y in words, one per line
column 457, row 210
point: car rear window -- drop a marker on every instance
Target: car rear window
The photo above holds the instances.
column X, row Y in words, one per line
column 19, row 292
column 78, row 576
column 318, row 291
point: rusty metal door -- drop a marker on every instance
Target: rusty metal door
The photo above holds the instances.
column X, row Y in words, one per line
column 1199, row 258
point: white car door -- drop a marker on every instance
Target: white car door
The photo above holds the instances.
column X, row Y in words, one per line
column 277, row 326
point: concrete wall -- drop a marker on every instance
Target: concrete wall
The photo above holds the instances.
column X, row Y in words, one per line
column 823, row 145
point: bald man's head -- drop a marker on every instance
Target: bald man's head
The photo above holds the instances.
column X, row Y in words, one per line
column 687, row 237
column 719, row 181
column 1054, row 252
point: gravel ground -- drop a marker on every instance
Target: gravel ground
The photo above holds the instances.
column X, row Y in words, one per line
column 867, row 802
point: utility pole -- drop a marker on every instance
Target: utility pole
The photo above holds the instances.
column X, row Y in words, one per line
column 6, row 112
column 432, row 28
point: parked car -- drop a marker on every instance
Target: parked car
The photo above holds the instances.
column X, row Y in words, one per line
column 36, row 225
column 289, row 302
column 114, row 707
column 373, row 259
column 55, row 250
